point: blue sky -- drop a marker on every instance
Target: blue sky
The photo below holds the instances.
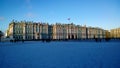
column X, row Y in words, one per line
column 96, row 13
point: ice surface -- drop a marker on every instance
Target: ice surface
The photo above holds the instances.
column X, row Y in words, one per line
column 36, row 54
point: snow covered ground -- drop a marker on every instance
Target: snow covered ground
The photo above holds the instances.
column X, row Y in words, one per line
column 36, row 54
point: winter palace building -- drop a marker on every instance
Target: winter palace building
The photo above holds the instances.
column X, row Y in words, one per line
column 24, row 30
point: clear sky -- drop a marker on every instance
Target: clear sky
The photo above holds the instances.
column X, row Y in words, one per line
column 96, row 13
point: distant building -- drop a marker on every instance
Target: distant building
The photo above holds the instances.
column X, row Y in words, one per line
column 84, row 32
column 25, row 30
column 59, row 31
column 67, row 31
column 115, row 33
column 1, row 35
column 95, row 32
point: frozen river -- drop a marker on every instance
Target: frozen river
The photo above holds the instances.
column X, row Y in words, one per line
column 36, row 54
